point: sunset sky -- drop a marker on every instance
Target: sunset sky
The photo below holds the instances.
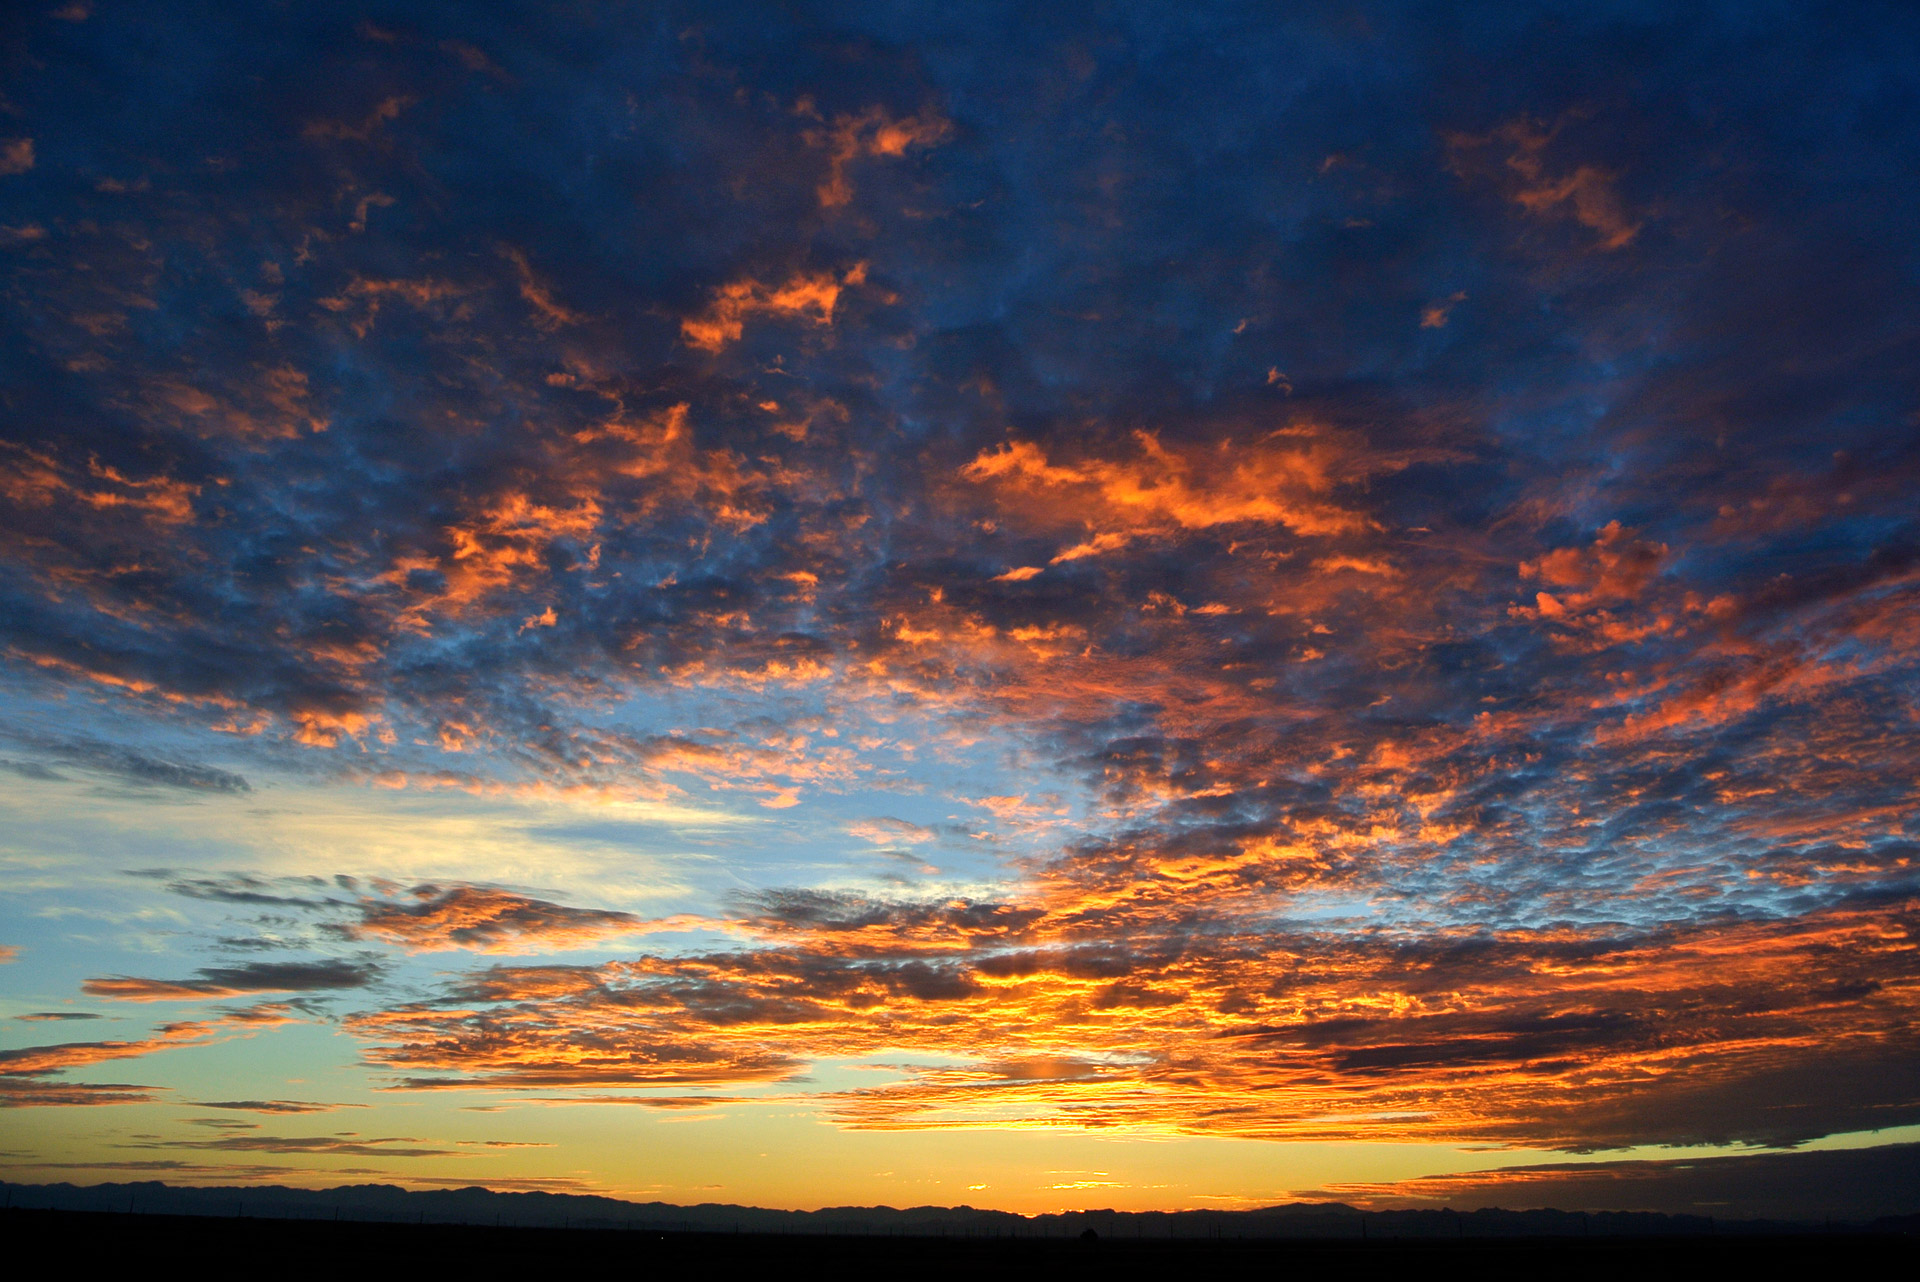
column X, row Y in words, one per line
column 1044, row 606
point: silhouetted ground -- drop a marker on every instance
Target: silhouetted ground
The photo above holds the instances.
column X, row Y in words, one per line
column 82, row 1240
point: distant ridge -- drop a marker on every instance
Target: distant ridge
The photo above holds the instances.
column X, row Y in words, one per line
column 481, row 1206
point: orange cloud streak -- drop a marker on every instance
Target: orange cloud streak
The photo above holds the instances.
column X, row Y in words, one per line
column 809, row 296
column 29, row 1075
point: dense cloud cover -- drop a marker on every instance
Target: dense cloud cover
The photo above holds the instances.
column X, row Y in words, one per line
column 1415, row 504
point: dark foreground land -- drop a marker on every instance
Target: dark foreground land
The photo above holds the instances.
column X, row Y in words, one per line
column 312, row 1248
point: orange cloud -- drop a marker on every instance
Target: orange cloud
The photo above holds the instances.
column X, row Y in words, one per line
column 1595, row 203
column 269, row 403
column 548, row 312
column 369, row 295
column 364, row 129
column 1288, row 480
column 29, row 1075
column 1617, row 567
column 34, row 479
column 1086, row 1009
column 16, row 155
column 521, row 1048
column 485, row 920
column 1599, row 593
column 872, row 133
column 1586, row 192
column 321, row 728
column 1434, row 315
column 809, row 296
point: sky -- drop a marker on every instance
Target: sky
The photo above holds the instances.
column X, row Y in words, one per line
column 1039, row 606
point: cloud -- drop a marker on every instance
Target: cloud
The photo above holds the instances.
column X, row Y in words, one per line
column 16, row 155
column 33, row 770
column 1380, row 716
column 347, row 1145
column 428, row 917
column 809, row 296
column 129, row 765
column 244, row 889
column 362, row 130
column 1435, row 315
column 484, row 919
column 235, row 981
column 548, row 312
column 30, row 1075
column 1772, row 1033
column 674, row 1103
column 276, row 1106
column 885, row 831
column 1616, row 568
column 32, row 1092
column 871, row 133
column 1586, row 193
column 1290, row 482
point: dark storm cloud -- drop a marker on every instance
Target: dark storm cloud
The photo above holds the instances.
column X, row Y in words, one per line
column 1438, row 483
